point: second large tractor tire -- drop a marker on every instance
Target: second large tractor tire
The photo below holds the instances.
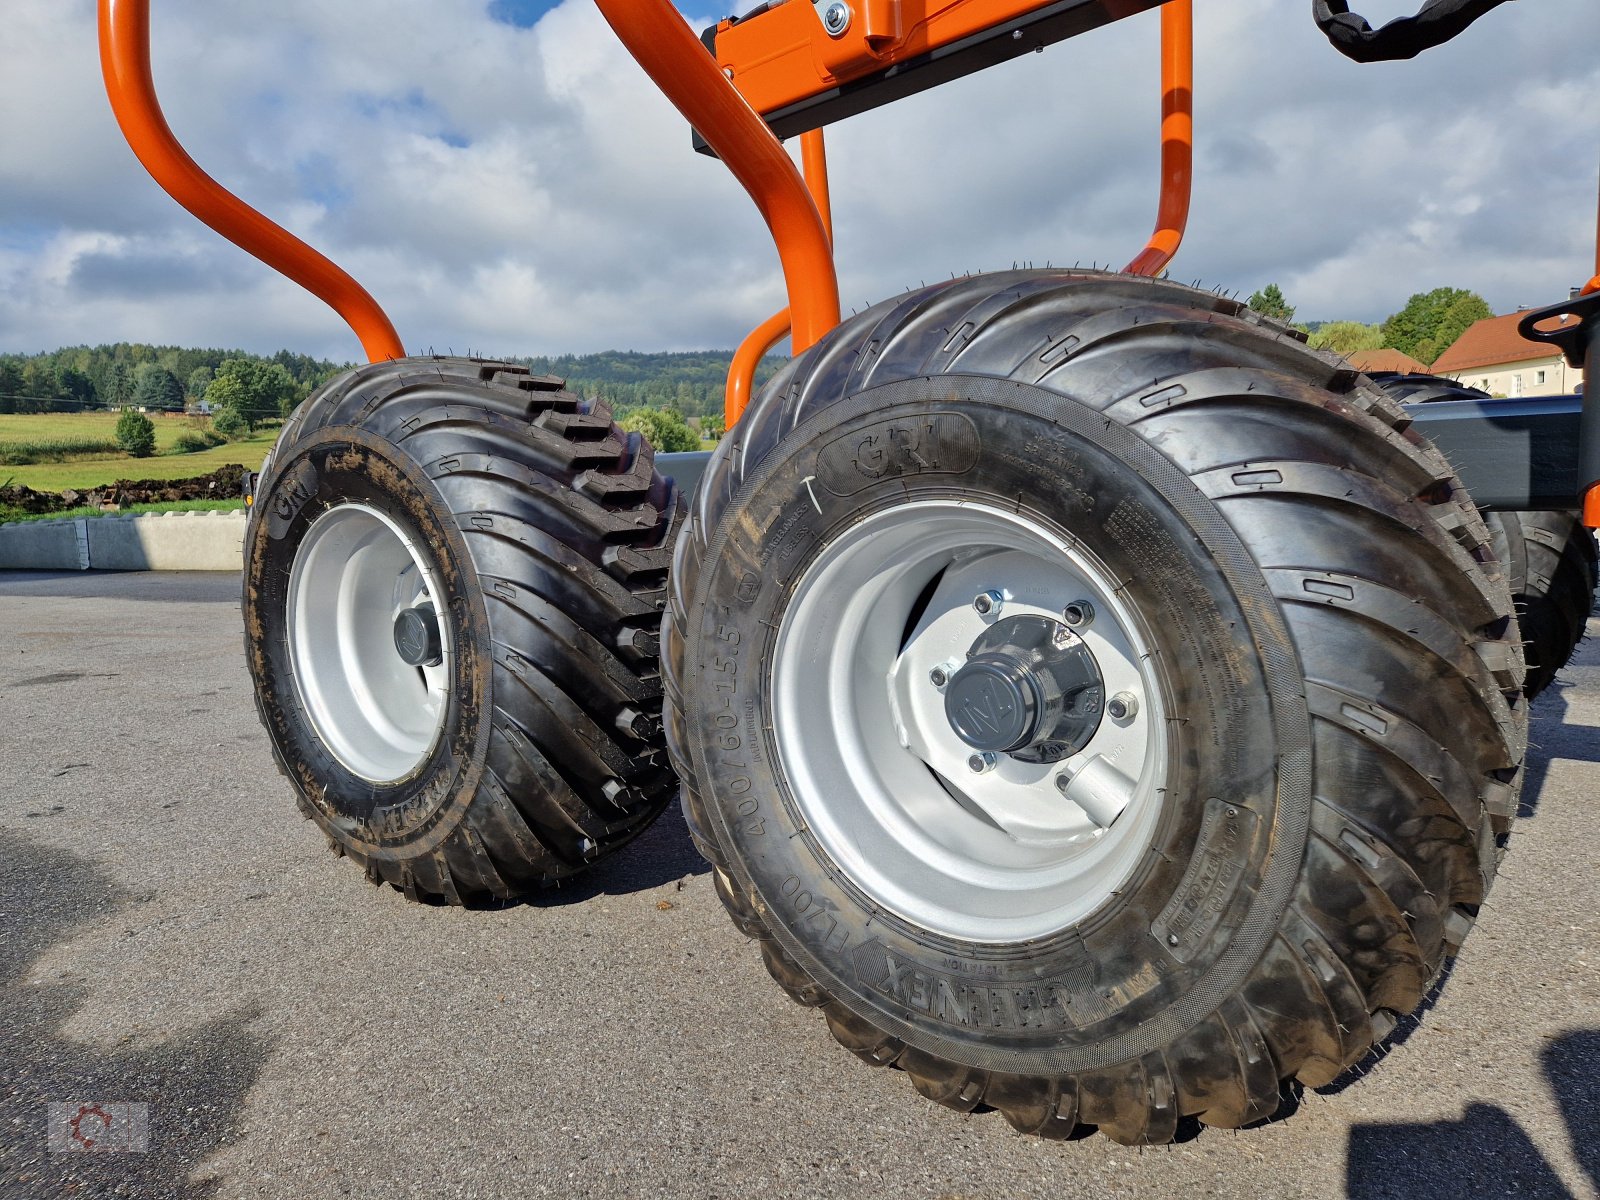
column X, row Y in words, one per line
column 1549, row 557
column 1096, row 703
column 454, row 576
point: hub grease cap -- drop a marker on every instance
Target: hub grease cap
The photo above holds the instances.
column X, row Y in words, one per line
column 993, row 703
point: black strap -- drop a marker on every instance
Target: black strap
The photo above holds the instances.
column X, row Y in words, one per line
column 1404, row 37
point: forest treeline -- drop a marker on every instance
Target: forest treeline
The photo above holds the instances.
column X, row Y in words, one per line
column 689, row 383
column 131, row 373
column 175, row 377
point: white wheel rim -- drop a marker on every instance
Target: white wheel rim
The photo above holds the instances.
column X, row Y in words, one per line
column 355, row 572
column 878, row 774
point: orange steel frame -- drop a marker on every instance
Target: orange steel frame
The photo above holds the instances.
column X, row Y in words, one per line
column 778, row 58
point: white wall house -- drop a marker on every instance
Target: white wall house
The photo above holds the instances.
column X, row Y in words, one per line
column 1493, row 356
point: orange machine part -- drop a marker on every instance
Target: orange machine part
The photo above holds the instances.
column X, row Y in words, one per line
column 742, row 371
column 1591, row 507
column 671, row 54
column 125, row 62
column 1177, row 139
column 784, row 55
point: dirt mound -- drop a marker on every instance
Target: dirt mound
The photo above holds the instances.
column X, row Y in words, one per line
column 225, row 483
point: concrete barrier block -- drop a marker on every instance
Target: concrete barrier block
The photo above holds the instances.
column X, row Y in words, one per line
column 43, row 546
column 186, row 541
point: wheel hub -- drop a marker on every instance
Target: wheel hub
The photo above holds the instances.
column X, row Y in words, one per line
column 1030, row 688
column 948, row 680
column 416, row 636
column 370, row 658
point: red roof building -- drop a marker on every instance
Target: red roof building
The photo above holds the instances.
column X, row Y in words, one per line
column 1493, row 356
column 1387, row 359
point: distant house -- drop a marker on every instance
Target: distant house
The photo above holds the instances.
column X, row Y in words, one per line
column 1493, row 356
column 1387, row 359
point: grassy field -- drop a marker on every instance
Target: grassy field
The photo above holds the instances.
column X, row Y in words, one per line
column 51, row 427
column 83, row 472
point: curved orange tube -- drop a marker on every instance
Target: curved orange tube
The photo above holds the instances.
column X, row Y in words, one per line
column 125, row 62
column 742, row 371
column 670, row 53
column 1177, row 139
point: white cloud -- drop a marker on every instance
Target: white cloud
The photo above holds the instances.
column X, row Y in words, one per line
column 527, row 190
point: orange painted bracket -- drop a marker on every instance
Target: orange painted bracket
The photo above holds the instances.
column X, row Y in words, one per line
column 1177, row 139
column 670, row 53
column 802, row 65
column 742, row 371
column 125, row 63
column 1591, row 507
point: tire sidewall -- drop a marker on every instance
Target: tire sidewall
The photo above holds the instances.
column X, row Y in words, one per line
column 1197, row 912
column 310, row 475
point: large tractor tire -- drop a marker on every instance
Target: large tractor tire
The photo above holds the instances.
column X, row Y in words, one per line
column 454, row 579
column 1549, row 557
column 1096, row 703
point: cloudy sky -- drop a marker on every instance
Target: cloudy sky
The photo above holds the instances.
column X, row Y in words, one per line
column 501, row 176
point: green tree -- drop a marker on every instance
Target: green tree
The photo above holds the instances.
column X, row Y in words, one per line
column 76, row 385
column 258, row 390
column 713, row 427
column 10, row 382
column 1346, row 337
column 157, row 388
column 1430, row 321
column 135, row 433
column 227, row 421
column 664, row 428
column 199, row 380
column 228, row 395
column 117, row 390
column 1269, row 302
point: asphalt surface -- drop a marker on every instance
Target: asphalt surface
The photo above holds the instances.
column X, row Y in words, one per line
column 173, row 933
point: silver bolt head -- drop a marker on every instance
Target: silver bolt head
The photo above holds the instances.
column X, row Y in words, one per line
column 988, row 603
column 940, row 675
column 1079, row 614
column 1124, row 706
column 982, row 763
column 836, row 18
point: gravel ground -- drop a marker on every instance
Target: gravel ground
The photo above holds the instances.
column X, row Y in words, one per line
column 173, row 933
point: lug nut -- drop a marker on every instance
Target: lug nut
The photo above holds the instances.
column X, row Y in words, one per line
column 836, row 18
column 940, row 675
column 988, row 603
column 1079, row 614
column 981, row 764
column 1124, row 706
